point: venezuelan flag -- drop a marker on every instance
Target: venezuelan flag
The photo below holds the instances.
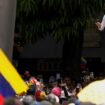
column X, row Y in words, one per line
column 11, row 82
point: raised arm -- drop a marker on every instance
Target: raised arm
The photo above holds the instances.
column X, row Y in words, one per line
column 102, row 24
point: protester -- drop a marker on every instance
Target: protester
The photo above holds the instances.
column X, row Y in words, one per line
column 27, row 100
column 59, row 92
column 101, row 24
column 12, row 101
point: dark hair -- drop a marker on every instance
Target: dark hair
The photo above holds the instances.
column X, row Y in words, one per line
column 12, row 101
column 31, row 90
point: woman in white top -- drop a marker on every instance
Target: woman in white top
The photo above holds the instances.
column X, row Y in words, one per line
column 101, row 25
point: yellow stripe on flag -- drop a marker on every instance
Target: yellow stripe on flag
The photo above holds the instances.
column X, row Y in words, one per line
column 11, row 75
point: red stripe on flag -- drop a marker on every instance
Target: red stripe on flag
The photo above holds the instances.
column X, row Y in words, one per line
column 1, row 100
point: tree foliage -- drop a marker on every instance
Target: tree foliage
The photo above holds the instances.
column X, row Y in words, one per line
column 58, row 18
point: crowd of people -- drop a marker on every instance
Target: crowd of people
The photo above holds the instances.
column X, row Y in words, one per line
column 56, row 91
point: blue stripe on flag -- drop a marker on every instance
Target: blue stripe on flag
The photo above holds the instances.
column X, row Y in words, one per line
column 5, row 88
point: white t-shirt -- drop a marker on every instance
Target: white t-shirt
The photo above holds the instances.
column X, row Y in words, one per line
column 102, row 24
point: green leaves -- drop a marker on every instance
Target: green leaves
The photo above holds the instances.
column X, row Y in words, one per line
column 59, row 18
column 27, row 7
